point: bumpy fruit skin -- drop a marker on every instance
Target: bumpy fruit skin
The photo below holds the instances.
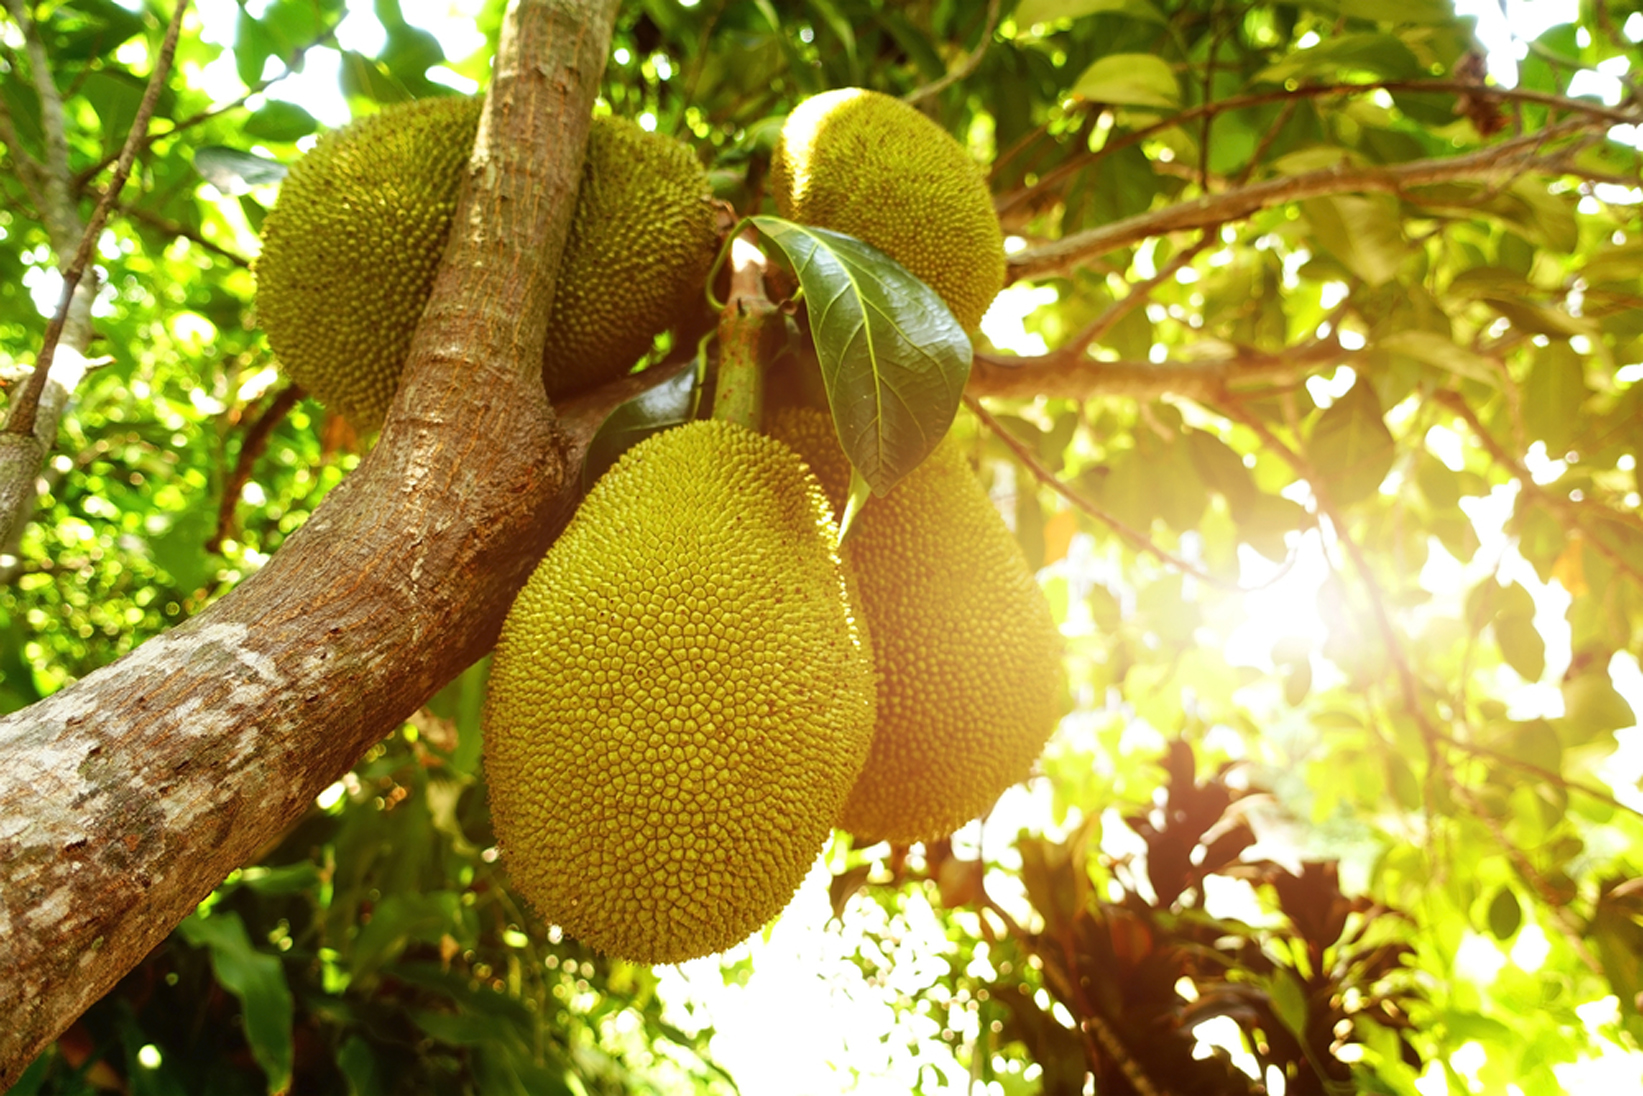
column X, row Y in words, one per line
column 641, row 242
column 968, row 653
column 350, row 251
column 869, row 165
column 680, row 699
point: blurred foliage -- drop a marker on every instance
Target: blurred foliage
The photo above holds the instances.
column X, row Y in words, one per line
column 1349, row 516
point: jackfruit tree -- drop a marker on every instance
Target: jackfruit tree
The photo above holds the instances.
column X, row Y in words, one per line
column 426, row 637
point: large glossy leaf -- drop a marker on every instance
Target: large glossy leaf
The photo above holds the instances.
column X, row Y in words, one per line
column 893, row 359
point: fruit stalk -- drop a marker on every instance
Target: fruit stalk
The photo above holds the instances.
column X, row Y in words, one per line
column 752, row 331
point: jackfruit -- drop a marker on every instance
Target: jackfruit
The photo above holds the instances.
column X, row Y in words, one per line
column 680, row 699
column 871, row 166
column 351, row 247
column 967, row 651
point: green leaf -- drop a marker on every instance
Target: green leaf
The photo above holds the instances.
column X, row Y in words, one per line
column 233, row 171
column 1553, row 396
column 396, row 921
column 1351, row 447
column 180, row 550
column 1441, row 351
column 1521, row 646
column 359, row 1068
column 1381, row 55
column 1593, row 708
column 115, row 96
column 893, row 359
column 1032, row 12
column 1288, row 999
column 1364, row 232
column 1130, row 79
column 258, row 980
column 1431, row 13
column 280, row 121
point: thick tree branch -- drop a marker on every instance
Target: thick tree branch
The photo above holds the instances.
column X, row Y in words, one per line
column 127, row 796
column 1496, row 162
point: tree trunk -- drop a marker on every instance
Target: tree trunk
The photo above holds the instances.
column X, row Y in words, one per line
column 129, row 795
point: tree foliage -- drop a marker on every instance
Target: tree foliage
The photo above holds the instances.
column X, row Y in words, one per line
column 1329, row 462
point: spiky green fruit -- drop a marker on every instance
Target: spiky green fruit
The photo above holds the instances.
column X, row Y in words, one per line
column 869, row 165
column 967, row 650
column 350, row 251
column 680, row 700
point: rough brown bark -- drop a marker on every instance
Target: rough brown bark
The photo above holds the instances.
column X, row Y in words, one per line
column 126, row 797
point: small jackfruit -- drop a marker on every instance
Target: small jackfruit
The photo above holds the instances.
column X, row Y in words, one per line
column 680, row 699
column 871, row 166
column 968, row 653
column 351, row 248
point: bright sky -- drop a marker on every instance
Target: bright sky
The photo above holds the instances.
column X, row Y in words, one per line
column 805, row 978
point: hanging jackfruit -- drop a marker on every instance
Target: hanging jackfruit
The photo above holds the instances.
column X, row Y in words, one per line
column 350, row 250
column 870, row 165
column 680, row 699
column 967, row 651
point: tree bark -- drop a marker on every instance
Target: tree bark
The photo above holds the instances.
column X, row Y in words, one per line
column 129, row 795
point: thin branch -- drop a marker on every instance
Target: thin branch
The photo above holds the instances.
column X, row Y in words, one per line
column 21, row 419
column 1395, row 653
column 171, row 228
column 1521, row 154
column 1136, row 538
column 90, row 173
column 1051, row 180
column 963, row 68
column 1531, row 875
column 1074, row 349
column 1571, row 511
column 1554, row 778
column 255, row 441
column 1008, row 376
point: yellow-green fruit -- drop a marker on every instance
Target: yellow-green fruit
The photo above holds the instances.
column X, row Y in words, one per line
column 349, row 252
column 968, row 654
column 869, row 165
column 680, row 699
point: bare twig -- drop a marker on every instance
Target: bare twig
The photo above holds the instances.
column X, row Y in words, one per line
column 1007, row 376
column 21, row 419
column 1571, row 511
column 1531, row 875
column 1408, row 684
column 90, row 173
column 1051, row 180
column 1138, row 539
column 1521, row 154
column 255, row 441
column 171, row 228
column 1073, row 350
column 963, row 68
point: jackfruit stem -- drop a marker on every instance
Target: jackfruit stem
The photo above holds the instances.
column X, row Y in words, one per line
column 752, row 332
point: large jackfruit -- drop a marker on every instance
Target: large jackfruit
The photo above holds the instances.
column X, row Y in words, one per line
column 968, row 653
column 680, row 699
column 869, row 165
column 350, row 250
